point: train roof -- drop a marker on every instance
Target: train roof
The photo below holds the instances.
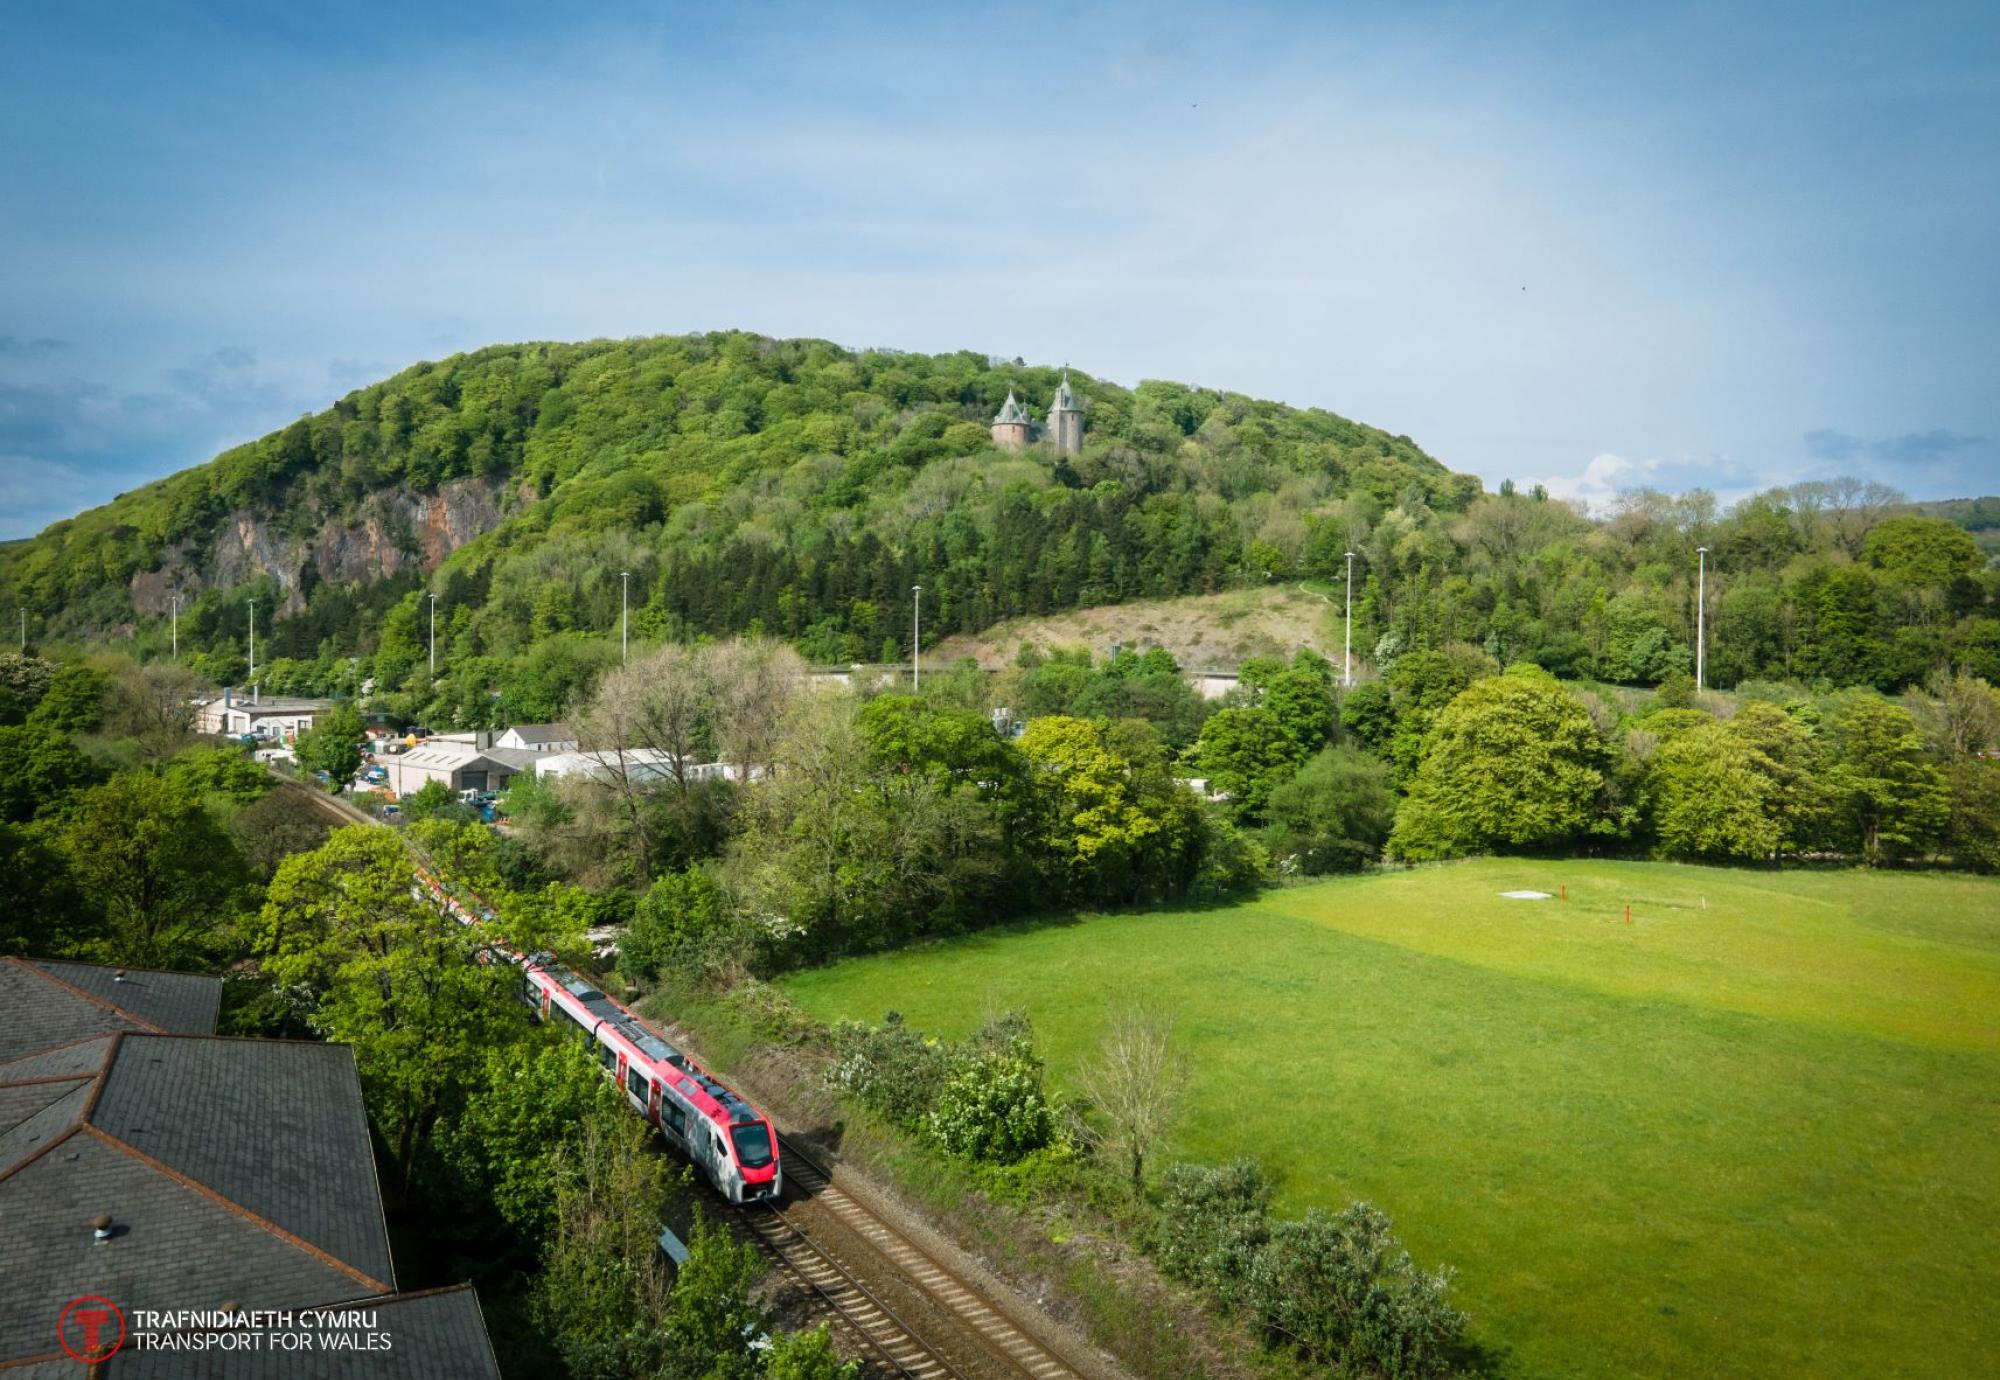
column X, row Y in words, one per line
column 703, row 1090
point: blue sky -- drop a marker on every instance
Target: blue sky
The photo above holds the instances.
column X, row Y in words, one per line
column 1730, row 245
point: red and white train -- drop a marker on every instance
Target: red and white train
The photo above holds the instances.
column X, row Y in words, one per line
column 726, row 1138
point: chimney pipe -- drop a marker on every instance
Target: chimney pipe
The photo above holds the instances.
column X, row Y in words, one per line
column 257, row 693
column 100, row 1226
column 228, row 696
column 118, row 976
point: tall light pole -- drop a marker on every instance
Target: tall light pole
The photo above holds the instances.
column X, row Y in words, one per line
column 624, row 615
column 175, row 625
column 253, row 640
column 1347, row 652
column 434, row 636
column 917, row 638
column 24, row 632
column 1701, row 619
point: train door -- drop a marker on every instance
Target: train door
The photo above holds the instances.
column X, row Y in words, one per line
column 653, row 1103
column 618, row 1074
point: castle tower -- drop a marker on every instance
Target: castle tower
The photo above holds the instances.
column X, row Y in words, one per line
column 1066, row 420
column 1011, row 429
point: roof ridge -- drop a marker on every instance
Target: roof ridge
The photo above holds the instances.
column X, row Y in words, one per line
column 50, row 1078
column 103, row 1077
column 11, row 1170
column 57, row 1049
column 118, row 967
column 47, row 976
column 325, row 1257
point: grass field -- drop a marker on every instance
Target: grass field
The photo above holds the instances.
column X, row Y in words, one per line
column 1755, row 1132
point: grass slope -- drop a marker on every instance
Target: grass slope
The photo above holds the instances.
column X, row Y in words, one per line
column 1203, row 632
column 1751, row 1133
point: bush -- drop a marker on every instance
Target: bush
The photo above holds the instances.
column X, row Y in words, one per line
column 1212, row 1224
column 671, row 924
column 891, row 1069
column 993, row 1109
column 1341, row 1288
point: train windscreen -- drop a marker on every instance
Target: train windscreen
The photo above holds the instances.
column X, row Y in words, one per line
column 753, row 1144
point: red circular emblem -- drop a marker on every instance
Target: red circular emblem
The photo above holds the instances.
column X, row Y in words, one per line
column 91, row 1319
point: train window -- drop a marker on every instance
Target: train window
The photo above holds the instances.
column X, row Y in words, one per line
column 529, row 993
column 753, row 1144
column 635, row 1082
column 607, row 1056
column 676, row 1119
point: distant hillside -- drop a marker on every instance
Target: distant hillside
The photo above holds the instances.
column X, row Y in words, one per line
column 799, row 490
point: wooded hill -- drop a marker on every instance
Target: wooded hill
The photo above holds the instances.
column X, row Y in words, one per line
column 799, row 489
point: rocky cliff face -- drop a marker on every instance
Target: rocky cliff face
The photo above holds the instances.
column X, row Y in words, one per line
column 395, row 530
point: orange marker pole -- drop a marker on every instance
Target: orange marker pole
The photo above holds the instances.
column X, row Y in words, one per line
column 1628, row 915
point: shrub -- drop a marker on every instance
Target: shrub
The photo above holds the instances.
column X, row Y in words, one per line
column 893, row 1070
column 1341, row 1288
column 993, row 1109
column 1212, row 1224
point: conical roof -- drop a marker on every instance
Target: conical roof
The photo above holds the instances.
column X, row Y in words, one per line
column 1010, row 412
column 1065, row 400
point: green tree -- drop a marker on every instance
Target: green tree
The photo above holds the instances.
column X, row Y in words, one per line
column 673, row 918
column 603, row 1286
column 1711, row 800
column 41, row 772
column 164, row 874
column 1923, row 551
column 24, row 679
column 227, row 773
column 529, row 1100
column 712, row 1319
column 333, row 745
column 1892, row 798
column 1335, row 814
column 74, row 702
column 41, row 913
column 377, row 965
column 1514, row 762
column 1246, row 754
column 435, row 800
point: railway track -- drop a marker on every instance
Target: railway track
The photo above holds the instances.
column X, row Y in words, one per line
column 995, row 1333
column 874, row 1328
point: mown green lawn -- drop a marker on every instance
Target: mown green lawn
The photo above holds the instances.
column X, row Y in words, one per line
column 1754, row 1132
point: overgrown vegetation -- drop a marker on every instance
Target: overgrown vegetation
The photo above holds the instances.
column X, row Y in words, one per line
column 798, row 490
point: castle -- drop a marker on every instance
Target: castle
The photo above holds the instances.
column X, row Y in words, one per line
column 1013, row 429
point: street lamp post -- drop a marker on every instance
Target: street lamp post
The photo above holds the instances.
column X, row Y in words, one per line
column 253, row 639
column 624, row 615
column 175, row 625
column 1347, row 651
column 1701, row 619
column 434, row 636
column 917, row 638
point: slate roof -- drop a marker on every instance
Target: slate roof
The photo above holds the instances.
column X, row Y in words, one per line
column 234, row 1171
column 436, row 1334
column 277, row 1127
column 183, row 1003
column 39, row 1010
column 1065, row 400
column 1010, row 412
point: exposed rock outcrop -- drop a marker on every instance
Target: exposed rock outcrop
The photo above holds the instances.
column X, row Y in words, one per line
column 393, row 531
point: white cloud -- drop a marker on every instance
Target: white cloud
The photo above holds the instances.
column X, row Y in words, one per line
column 1600, row 480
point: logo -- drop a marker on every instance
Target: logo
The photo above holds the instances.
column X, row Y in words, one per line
column 95, row 1322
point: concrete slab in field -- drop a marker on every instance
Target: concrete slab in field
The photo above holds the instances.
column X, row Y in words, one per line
column 1526, row 895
